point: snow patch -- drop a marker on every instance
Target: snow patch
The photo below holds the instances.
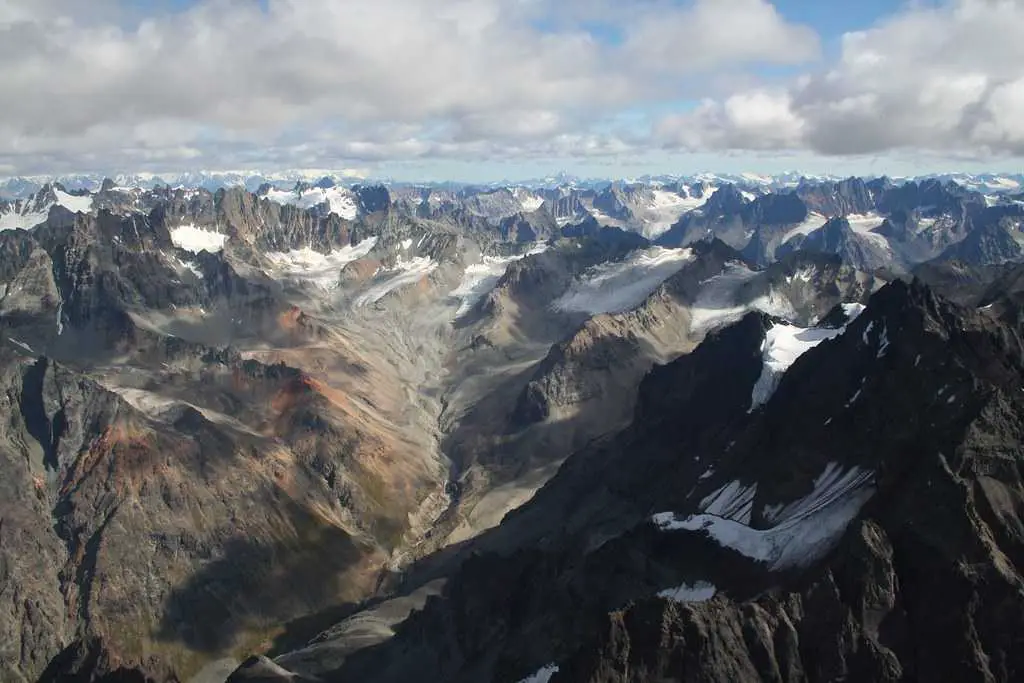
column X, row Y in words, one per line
column 831, row 484
column 403, row 273
column 543, row 675
column 665, row 209
column 699, row 591
column 810, row 224
column 341, row 201
column 181, row 265
column 321, row 270
column 12, row 219
column 193, row 239
column 73, row 203
column 863, row 224
column 622, row 285
column 716, row 304
column 406, row 244
column 805, row 530
column 783, row 344
column 480, row 278
column 853, row 311
column 530, row 202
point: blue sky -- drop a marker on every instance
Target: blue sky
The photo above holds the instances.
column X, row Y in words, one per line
column 488, row 89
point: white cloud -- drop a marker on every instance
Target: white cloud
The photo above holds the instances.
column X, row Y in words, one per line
column 716, row 33
column 754, row 120
column 941, row 80
column 92, row 85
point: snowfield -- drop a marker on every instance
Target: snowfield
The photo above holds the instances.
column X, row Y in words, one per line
column 666, row 209
column 193, row 239
column 620, row 286
column 782, row 346
column 480, row 278
column 804, row 530
column 342, row 201
column 830, row 485
column 863, row 224
column 717, row 303
column 73, row 203
column 15, row 218
column 404, row 273
column 810, row 224
column 785, row 343
column 529, row 201
column 320, row 270
column 12, row 220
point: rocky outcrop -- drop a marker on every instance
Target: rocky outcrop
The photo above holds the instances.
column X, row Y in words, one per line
column 849, row 196
column 993, row 243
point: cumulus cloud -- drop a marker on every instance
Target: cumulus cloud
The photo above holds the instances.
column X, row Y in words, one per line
column 98, row 85
column 946, row 79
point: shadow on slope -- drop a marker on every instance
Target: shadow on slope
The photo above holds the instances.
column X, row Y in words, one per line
column 251, row 586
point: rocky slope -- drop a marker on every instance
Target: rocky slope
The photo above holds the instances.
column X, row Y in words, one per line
column 237, row 419
column 801, row 540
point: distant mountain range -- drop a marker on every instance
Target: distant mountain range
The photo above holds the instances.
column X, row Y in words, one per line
column 20, row 187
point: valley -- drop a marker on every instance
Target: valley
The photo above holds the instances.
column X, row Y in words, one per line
column 317, row 423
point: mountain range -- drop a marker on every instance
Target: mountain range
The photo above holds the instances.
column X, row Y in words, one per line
column 284, row 428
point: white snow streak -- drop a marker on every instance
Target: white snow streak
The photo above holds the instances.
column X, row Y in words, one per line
column 193, row 239
column 830, row 485
column 21, row 344
column 543, row 675
column 622, row 285
column 699, row 591
column 805, row 530
column 733, row 501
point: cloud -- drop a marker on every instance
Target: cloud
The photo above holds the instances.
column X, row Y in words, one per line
column 945, row 79
column 94, row 85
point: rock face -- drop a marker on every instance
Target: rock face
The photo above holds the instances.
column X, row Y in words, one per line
column 864, row 251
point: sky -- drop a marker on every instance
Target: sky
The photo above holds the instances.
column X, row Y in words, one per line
column 483, row 90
